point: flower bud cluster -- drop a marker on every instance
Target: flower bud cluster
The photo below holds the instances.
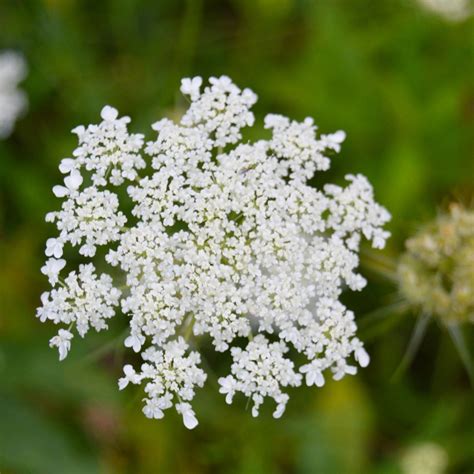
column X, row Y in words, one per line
column 218, row 238
column 436, row 273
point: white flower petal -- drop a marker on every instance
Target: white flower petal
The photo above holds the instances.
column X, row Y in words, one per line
column 60, row 191
column 73, row 181
column 109, row 113
column 66, row 165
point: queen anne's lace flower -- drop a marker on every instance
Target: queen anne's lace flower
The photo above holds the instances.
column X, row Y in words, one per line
column 224, row 239
column 12, row 100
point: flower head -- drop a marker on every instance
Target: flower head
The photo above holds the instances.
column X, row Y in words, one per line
column 224, row 239
column 436, row 273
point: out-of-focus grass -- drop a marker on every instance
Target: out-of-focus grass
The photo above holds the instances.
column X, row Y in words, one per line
column 398, row 79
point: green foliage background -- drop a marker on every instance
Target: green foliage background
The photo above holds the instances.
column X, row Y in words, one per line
column 396, row 78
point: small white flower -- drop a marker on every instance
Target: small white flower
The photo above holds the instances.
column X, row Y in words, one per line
column 227, row 387
column 333, row 141
column 60, row 191
column 54, row 248
column 135, row 342
column 66, row 165
column 109, row 113
column 191, row 86
column 314, row 375
column 51, row 269
column 362, row 357
column 41, row 312
column 153, row 409
column 63, row 342
column 73, row 181
column 130, row 377
column 344, row 369
column 279, row 411
column 71, row 184
column 189, row 418
column 281, row 407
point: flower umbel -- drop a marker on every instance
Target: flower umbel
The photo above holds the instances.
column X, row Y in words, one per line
column 437, row 270
column 224, row 239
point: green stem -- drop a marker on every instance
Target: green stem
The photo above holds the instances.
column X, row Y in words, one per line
column 379, row 264
column 189, row 328
column 105, row 348
column 413, row 346
column 462, row 349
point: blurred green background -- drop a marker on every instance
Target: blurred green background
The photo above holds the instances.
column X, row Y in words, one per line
column 397, row 77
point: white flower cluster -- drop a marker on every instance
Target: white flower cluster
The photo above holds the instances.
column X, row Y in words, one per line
column 221, row 239
column 83, row 300
column 170, row 373
column 12, row 100
column 260, row 371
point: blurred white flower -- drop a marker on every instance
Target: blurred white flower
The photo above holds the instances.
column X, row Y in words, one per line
column 424, row 458
column 12, row 100
column 452, row 10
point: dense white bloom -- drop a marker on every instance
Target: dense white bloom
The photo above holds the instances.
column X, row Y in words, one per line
column 222, row 110
column 353, row 212
column 297, row 145
column 89, row 218
column 83, row 301
column 108, row 150
column 170, row 374
column 260, row 371
column 12, row 100
column 224, row 240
